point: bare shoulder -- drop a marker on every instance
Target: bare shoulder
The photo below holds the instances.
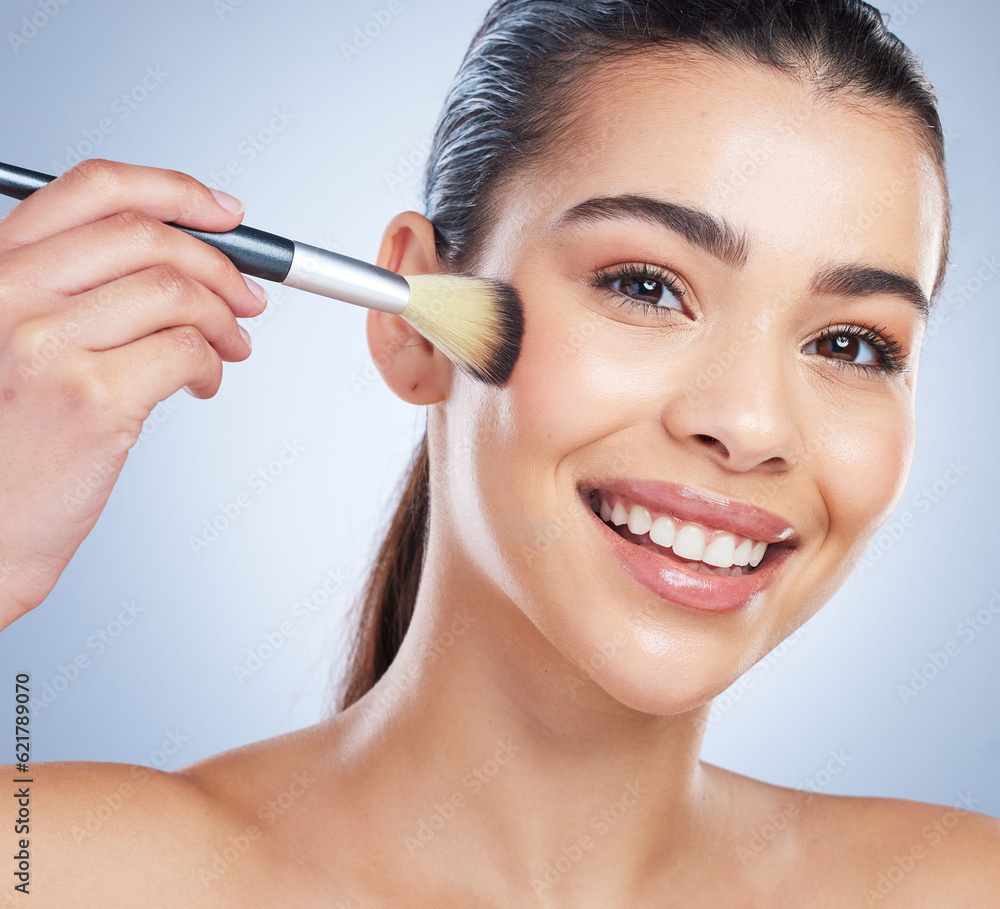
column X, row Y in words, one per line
column 106, row 834
column 897, row 852
column 847, row 851
column 100, row 834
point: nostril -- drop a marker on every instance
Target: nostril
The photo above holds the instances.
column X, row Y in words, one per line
column 713, row 442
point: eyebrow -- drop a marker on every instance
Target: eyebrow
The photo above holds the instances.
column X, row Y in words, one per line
column 699, row 228
column 861, row 281
column 732, row 247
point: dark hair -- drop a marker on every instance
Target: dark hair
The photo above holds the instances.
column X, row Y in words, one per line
column 514, row 94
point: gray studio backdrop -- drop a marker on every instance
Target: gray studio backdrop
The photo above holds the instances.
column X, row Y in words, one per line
column 167, row 640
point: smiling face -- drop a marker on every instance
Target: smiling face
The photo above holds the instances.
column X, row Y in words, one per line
column 722, row 278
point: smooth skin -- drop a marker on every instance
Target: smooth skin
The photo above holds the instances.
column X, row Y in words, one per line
column 501, row 761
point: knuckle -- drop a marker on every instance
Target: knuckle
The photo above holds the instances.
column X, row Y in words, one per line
column 36, row 344
column 169, row 282
column 77, row 391
column 99, row 173
column 22, row 344
column 141, row 229
column 188, row 342
column 189, row 193
column 203, row 364
column 82, row 389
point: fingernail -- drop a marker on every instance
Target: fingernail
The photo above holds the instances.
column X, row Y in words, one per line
column 246, row 336
column 187, row 388
column 228, row 202
column 256, row 289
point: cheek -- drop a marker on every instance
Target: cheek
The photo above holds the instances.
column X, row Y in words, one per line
column 862, row 463
column 561, row 388
column 578, row 380
column 570, row 390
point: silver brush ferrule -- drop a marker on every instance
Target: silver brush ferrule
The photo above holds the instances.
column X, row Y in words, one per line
column 320, row 271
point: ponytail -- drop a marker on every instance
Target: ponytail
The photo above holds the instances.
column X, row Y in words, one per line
column 387, row 600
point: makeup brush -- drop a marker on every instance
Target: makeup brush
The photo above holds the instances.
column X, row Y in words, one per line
column 476, row 322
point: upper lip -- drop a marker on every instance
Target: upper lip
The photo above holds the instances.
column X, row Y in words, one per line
column 690, row 504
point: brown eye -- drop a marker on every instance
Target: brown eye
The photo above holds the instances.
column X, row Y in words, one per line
column 647, row 290
column 847, row 347
column 842, row 347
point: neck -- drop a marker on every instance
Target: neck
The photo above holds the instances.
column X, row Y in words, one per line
column 492, row 751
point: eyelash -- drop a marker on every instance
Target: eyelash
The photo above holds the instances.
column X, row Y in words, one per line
column 885, row 345
column 889, row 350
column 605, row 277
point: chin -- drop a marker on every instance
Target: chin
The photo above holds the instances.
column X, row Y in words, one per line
column 646, row 661
column 664, row 690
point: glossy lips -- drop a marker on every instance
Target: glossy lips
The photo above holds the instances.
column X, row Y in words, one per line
column 701, row 530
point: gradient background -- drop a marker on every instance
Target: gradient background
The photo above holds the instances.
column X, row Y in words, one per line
column 348, row 157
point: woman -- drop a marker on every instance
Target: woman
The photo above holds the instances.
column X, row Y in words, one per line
column 711, row 415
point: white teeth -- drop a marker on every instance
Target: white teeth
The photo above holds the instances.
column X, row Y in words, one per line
column 720, row 551
column 689, row 542
column 727, row 553
column 663, row 532
column 639, row 520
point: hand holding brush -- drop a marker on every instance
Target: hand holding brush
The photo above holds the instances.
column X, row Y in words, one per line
column 108, row 306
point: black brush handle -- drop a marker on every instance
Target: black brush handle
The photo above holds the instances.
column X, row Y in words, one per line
column 254, row 252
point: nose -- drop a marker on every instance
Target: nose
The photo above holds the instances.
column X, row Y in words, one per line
column 738, row 409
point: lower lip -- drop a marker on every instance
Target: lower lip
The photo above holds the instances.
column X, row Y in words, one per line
column 673, row 580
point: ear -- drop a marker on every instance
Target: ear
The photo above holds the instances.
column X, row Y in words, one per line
column 411, row 366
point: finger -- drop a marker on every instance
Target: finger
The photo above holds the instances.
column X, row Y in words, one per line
column 153, row 368
column 96, row 188
column 85, row 257
column 138, row 305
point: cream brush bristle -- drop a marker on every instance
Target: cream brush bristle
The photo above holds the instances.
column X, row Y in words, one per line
column 476, row 322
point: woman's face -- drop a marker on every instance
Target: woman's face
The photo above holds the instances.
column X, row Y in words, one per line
column 722, row 279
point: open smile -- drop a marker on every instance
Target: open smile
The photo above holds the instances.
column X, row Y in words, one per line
column 693, row 548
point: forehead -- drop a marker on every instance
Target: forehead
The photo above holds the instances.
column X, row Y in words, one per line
column 798, row 171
